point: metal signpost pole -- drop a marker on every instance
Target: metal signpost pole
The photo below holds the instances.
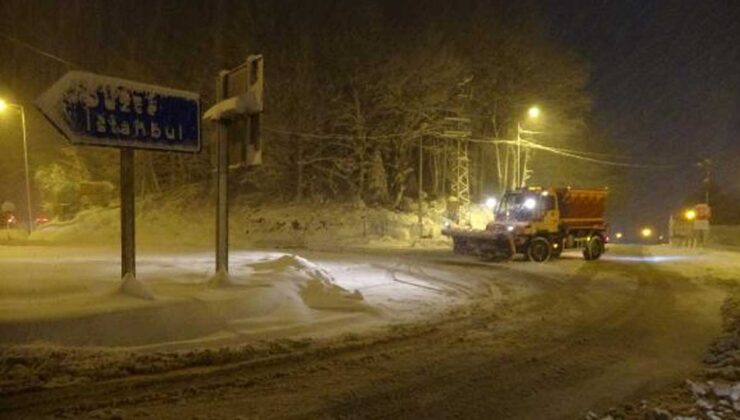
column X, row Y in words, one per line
column 222, row 209
column 128, row 218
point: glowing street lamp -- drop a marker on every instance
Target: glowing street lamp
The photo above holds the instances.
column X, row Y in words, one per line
column 619, row 235
column 3, row 107
column 690, row 214
column 646, row 232
column 533, row 113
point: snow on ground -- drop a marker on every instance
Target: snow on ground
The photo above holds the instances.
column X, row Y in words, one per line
column 186, row 221
column 60, row 291
column 287, row 225
column 63, row 320
column 70, row 296
column 13, row 236
column 698, row 262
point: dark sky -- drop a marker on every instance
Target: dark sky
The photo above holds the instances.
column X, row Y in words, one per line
column 666, row 86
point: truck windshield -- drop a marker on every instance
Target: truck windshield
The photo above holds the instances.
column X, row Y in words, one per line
column 518, row 207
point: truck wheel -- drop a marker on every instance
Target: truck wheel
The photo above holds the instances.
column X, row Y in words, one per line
column 594, row 248
column 539, row 250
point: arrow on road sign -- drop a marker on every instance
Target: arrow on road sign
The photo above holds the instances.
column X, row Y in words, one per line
column 90, row 109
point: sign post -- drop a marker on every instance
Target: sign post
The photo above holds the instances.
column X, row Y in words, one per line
column 222, row 203
column 238, row 114
column 94, row 110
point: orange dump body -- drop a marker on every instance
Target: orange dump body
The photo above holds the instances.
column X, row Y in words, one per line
column 581, row 205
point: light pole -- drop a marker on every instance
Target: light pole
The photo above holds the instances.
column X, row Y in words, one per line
column 533, row 113
column 706, row 165
column 3, row 106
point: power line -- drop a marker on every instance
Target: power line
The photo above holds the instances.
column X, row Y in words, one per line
column 338, row 136
column 579, row 155
column 40, row 51
column 600, row 161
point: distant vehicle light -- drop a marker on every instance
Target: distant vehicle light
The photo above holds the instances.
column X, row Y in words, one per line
column 690, row 214
column 510, row 228
column 618, row 235
column 545, row 193
column 491, row 203
column 530, row 203
column 42, row 220
column 646, row 232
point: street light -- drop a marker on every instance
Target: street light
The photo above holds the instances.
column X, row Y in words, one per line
column 690, row 214
column 4, row 106
column 533, row 112
column 646, row 232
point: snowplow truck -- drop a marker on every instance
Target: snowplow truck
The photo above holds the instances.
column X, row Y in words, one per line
column 539, row 223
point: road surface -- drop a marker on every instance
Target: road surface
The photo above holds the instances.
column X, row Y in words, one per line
column 535, row 341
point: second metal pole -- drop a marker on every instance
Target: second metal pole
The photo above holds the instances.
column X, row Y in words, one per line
column 222, row 207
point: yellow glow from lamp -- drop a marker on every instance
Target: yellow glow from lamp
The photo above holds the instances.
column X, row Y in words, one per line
column 690, row 214
column 619, row 235
column 3, row 105
column 533, row 112
column 646, row 232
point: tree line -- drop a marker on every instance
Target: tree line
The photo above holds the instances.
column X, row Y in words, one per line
column 356, row 92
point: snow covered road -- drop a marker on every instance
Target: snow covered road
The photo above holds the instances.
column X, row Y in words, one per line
column 448, row 336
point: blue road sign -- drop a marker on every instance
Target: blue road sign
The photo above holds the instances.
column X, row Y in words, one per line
column 91, row 109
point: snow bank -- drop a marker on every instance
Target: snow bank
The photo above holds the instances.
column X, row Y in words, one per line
column 75, row 300
column 316, row 288
column 184, row 225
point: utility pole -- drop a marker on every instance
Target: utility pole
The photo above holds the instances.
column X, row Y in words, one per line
column 4, row 105
column 521, row 167
column 459, row 128
column 28, row 175
column 706, row 165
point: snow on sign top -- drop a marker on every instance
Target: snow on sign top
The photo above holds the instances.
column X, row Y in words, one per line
column 91, row 109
